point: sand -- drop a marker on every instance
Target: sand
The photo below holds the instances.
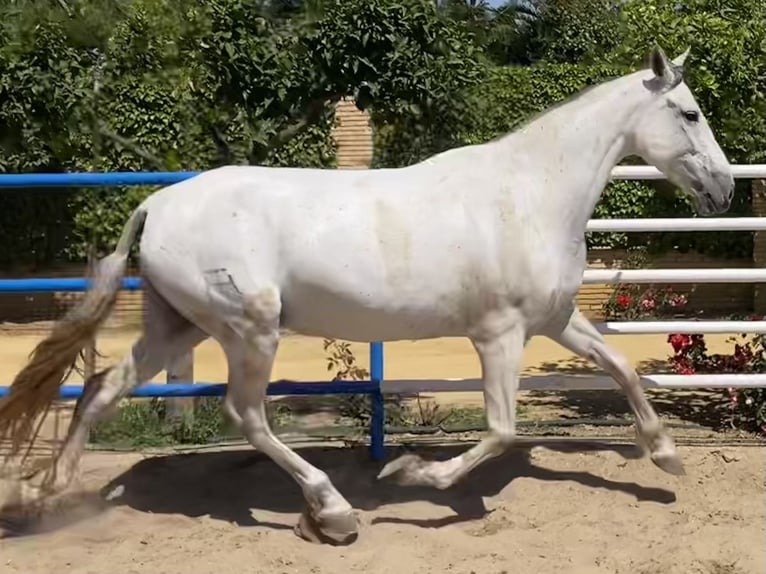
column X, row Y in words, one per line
column 233, row 510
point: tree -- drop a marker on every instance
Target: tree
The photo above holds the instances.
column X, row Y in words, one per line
column 191, row 84
column 574, row 31
column 502, row 32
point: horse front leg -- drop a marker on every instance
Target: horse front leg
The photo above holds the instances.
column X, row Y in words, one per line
column 581, row 337
column 500, row 356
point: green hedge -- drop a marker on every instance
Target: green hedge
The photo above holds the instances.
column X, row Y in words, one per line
column 162, row 95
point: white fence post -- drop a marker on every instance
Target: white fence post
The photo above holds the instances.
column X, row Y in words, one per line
column 759, row 244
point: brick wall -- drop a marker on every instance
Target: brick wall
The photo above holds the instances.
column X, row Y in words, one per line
column 353, row 136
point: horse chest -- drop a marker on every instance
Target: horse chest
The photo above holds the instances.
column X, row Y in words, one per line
column 549, row 282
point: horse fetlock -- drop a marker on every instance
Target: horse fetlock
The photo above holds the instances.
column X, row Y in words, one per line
column 661, row 447
column 412, row 470
column 505, row 439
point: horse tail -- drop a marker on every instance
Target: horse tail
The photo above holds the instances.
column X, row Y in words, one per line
column 36, row 386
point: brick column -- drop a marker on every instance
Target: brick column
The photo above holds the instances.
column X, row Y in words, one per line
column 353, row 136
column 759, row 244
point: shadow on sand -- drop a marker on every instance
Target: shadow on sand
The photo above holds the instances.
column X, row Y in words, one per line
column 226, row 485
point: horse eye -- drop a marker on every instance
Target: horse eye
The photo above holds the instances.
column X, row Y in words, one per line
column 692, row 116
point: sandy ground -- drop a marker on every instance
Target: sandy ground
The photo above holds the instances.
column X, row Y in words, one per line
column 551, row 513
column 233, row 510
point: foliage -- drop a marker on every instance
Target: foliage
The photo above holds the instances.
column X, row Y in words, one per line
column 501, row 32
column 185, row 84
column 725, row 69
column 409, row 131
column 574, row 31
column 145, row 423
column 399, row 57
column 354, row 408
column 691, row 356
column 342, row 360
column 510, row 96
column 501, row 101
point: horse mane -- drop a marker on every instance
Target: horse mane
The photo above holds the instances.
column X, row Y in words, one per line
column 572, row 99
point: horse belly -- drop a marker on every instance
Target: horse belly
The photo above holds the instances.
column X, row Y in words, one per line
column 369, row 313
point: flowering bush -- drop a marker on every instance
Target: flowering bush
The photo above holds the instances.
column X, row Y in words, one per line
column 747, row 406
column 630, row 302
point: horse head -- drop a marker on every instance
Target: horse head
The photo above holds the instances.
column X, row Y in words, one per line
column 673, row 135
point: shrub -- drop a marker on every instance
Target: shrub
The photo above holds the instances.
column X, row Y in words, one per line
column 632, row 302
column 747, row 407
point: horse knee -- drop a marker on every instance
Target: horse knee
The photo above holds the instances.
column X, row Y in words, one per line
column 614, row 362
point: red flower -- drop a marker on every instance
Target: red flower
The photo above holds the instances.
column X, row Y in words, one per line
column 680, row 342
column 682, row 366
column 756, row 318
column 677, row 301
column 624, row 300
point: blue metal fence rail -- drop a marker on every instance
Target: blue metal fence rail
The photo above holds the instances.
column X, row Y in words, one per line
column 106, row 179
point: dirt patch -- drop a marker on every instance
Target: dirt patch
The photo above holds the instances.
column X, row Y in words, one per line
column 547, row 512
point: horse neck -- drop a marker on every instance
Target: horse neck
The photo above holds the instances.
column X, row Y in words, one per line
column 574, row 147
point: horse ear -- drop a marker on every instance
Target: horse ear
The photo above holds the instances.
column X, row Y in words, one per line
column 659, row 63
column 667, row 74
column 679, row 60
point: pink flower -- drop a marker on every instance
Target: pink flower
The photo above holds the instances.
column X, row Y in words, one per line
column 648, row 304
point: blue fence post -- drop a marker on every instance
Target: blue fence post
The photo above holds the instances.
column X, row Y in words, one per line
column 378, row 416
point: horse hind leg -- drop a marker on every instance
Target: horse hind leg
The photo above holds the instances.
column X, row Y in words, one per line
column 165, row 335
column 250, row 353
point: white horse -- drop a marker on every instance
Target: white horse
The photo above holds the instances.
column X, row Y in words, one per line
column 485, row 241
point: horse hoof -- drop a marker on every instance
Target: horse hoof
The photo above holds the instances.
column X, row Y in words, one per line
column 337, row 530
column 669, row 462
